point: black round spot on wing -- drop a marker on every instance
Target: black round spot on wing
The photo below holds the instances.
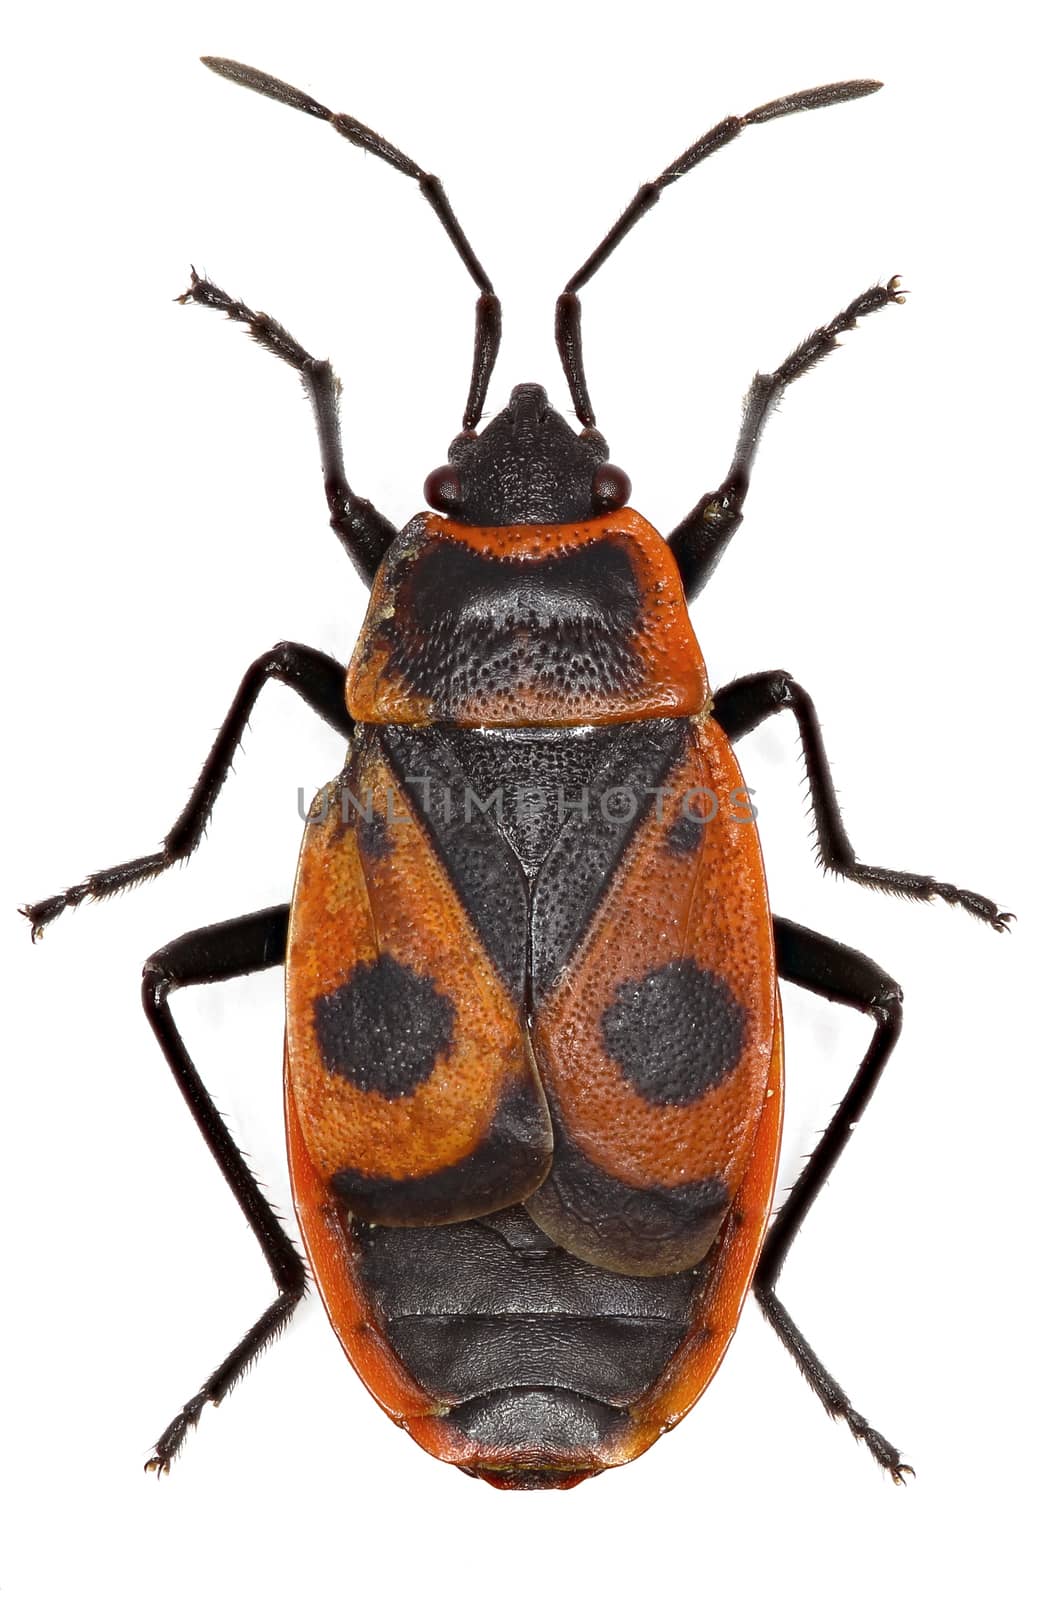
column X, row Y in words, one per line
column 385, row 1028
column 676, row 1032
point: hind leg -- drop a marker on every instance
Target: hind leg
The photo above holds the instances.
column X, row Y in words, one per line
column 210, row 955
column 848, row 978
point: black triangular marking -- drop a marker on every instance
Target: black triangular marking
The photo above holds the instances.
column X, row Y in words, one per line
column 577, row 871
column 486, row 873
column 593, row 788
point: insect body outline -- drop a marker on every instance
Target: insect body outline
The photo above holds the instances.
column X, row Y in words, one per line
column 532, row 1132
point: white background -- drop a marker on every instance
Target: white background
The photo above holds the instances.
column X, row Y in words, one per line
column 165, row 525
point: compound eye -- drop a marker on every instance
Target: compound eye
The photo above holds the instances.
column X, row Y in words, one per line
column 611, row 488
column 443, row 488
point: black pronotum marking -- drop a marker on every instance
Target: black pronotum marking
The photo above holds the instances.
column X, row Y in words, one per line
column 385, row 1028
column 471, row 629
column 591, row 585
column 676, row 1033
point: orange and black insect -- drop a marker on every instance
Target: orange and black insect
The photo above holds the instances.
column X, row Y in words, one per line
column 534, row 1055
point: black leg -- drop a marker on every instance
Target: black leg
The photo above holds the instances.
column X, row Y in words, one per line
column 364, row 532
column 318, row 678
column 702, row 538
column 227, row 950
column 568, row 320
column 741, row 706
column 489, row 312
column 837, row 973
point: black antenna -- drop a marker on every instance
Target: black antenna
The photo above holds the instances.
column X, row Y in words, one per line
column 489, row 311
column 568, row 322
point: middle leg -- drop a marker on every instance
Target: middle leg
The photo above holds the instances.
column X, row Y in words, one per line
column 319, row 679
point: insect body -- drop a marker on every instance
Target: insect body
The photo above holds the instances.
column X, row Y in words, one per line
column 533, row 1067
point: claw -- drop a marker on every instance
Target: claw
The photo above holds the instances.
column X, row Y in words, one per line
column 41, row 914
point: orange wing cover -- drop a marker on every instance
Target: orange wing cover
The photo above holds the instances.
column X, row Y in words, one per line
column 410, row 1071
column 594, row 1034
